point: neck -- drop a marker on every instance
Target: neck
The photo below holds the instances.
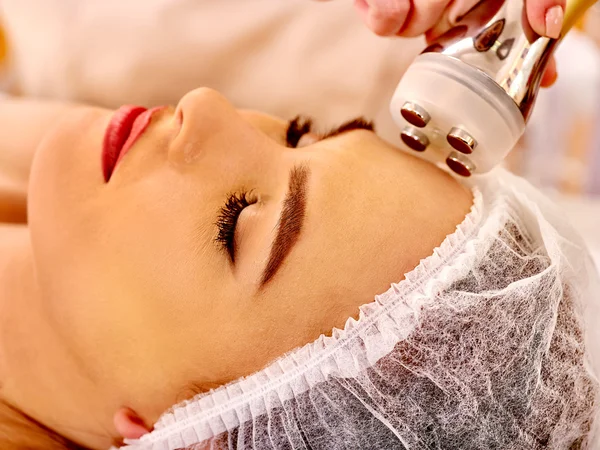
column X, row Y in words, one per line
column 39, row 374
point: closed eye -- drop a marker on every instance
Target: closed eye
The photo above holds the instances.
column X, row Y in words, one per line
column 235, row 203
column 228, row 218
column 299, row 126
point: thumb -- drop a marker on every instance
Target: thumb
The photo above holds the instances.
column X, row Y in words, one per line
column 546, row 16
column 383, row 17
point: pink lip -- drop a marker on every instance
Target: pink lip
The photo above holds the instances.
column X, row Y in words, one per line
column 124, row 129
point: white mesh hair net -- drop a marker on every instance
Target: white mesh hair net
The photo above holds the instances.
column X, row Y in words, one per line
column 488, row 343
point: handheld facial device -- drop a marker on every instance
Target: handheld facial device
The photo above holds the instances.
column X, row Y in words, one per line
column 464, row 101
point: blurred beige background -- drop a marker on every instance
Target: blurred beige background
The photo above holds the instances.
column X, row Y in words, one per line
column 280, row 56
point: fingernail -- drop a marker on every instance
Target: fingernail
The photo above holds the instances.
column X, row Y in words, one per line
column 554, row 21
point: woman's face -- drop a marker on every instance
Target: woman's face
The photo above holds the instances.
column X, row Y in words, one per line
column 149, row 277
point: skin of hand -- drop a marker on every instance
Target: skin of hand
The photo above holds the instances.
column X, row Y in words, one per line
column 409, row 18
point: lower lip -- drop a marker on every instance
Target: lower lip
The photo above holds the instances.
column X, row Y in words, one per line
column 124, row 129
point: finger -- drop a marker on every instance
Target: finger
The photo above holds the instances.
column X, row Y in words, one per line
column 423, row 16
column 550, row 74
column 452, row 15
column 442, row 26
column 383, row 17
column 546, row 16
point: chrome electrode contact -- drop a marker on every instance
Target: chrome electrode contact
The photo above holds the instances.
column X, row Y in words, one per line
column 415, row 114
column 415, row 139
column 461, row 140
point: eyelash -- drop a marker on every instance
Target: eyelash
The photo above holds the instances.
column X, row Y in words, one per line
column 227, row 220
column 299, row 126
column 237, row 202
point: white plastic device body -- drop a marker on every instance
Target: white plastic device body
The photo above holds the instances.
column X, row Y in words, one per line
column 464, row 102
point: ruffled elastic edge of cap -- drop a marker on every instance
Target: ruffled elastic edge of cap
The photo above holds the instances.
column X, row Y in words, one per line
column 221, row 409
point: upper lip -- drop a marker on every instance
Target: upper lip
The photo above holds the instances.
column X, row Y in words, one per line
column 124, row 129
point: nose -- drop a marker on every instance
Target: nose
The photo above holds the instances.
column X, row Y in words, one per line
column 208, row 122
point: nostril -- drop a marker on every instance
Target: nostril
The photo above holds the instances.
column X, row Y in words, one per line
column 177, row 121
column 179, row 116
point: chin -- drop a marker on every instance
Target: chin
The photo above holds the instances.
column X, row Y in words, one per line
column 66, row 172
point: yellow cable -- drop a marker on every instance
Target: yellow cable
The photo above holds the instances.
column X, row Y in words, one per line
column 574, row 12
column 3, row 45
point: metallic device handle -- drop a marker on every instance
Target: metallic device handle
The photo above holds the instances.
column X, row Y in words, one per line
column 496, row 38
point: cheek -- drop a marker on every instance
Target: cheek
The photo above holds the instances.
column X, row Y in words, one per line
column 123, row 262
column 355, row 244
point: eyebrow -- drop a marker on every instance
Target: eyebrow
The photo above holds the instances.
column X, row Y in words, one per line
column 359, row 123
column 290, row 223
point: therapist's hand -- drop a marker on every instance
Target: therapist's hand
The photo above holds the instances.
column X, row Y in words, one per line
column 434, row 17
